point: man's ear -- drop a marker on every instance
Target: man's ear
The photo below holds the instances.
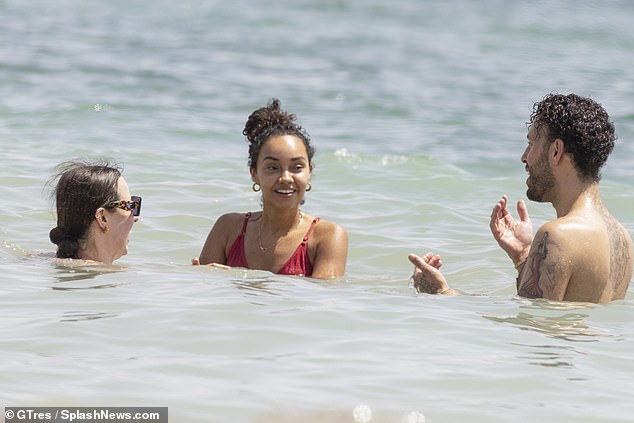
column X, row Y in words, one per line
column 557, row 151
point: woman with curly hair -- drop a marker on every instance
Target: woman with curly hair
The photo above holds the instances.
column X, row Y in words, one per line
column 281, row 238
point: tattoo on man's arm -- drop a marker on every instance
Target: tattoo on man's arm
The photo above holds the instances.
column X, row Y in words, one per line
column 619, row 254
column 530, row 288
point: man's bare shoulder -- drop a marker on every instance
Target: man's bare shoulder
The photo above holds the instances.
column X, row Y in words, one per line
column 561, row 262
column 568, row 232
column 577, row 230
column 594, row 251
column 599, row 231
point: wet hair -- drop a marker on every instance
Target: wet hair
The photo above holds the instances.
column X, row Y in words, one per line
column 582, row 124
column 271, row 121
column 81, row 189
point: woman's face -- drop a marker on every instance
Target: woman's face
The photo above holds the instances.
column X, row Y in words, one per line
column 283, row 171
column 120, row 222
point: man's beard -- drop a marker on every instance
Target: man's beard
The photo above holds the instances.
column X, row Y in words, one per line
column 541, row 180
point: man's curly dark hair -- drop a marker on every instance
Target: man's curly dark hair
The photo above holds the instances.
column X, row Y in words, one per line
column 582, row 124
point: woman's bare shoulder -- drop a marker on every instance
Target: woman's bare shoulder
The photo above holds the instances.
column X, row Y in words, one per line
column 326, row 229
column 233, row 217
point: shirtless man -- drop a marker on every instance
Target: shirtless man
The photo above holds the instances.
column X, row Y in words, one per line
column 584, row 254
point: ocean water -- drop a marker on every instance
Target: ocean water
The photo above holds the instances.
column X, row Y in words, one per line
column 418, row 112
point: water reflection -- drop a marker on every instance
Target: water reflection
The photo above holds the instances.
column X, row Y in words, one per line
column 257, row 282
column 549, row 355
column 70, row 272
column 77, row 316
column 570, row 327
column 545, row 317
column 256, row 286
column 10, row 250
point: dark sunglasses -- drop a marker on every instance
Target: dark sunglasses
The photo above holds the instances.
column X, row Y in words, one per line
column 134, row 206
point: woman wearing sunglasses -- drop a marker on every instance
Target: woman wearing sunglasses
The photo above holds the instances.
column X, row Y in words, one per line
column 280, row 238
column 95, row 212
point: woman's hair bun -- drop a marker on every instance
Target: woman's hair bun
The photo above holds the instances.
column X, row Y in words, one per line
column 57, row 234
column 271, row 121
column 267, row 117
column 67, row 245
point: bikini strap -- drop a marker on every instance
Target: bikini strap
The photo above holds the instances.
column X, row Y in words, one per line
column 246, row 222
column 312, row 226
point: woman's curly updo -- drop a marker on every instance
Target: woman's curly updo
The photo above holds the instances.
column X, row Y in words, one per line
column 81, row 189
column 270, row 121
column 582, row 124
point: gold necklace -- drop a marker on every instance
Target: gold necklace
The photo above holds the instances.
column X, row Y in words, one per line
column 265, row 249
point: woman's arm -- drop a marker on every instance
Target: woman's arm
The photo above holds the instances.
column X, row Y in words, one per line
column 215, row 248
column 331, row 252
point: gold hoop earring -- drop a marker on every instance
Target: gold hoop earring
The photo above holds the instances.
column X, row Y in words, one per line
column 256, row 187
column 309, row 187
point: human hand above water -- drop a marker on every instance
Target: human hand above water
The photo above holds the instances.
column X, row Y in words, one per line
column 514, row 237
column 196, row 262
column 427, row 276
